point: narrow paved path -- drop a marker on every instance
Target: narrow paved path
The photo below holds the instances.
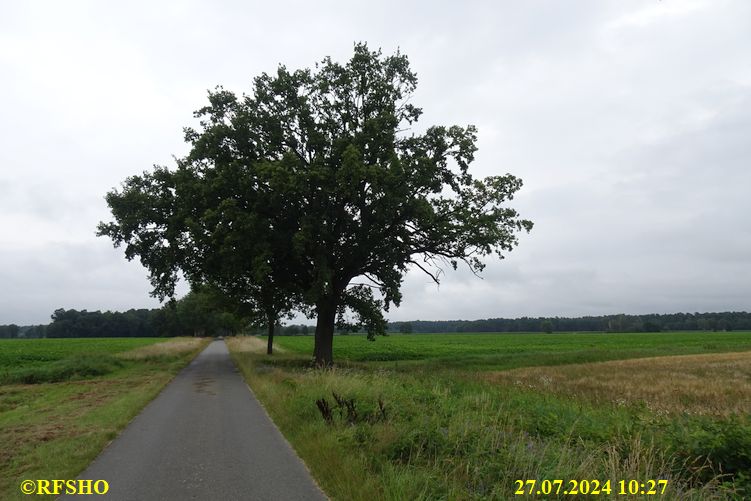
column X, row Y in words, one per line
column 204, row 437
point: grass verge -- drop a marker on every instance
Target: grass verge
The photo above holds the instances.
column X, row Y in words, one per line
column 53, row 430
column 433, row 433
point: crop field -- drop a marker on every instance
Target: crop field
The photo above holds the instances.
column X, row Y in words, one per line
column 470, row 416
column 25, row 360
column 509, row 350
column 16, row 352
column 62, row 400
column 715, row 384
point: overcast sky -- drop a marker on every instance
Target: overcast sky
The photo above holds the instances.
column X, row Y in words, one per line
column 629, row 122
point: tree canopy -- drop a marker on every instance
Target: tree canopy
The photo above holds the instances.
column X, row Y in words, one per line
column 314, row 191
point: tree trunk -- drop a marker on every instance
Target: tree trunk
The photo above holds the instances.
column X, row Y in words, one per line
column 270, row 346
column 324, row 340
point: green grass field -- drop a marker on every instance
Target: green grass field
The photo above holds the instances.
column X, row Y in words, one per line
column 53, row 360
column 25, row 352
column 511, row 350
column 62, row 400
column 466, row 416
column 431, row 417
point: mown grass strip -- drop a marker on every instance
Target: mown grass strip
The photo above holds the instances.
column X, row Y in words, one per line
column 54, row 430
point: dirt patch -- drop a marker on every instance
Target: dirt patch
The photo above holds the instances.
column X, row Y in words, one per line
column 716, row 384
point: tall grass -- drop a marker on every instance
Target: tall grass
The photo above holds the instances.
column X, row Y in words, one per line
column 448, row 435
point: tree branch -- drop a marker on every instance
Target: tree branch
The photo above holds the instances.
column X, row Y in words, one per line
column 435, row 278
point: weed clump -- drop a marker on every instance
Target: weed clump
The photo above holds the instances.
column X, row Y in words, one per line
column 347, row 411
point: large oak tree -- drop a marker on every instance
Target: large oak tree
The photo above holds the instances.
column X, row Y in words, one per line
column 315, row 190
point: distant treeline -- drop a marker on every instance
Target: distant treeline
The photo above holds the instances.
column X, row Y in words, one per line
column 191, row 316
column 27, row 331
column 131, row 323
column 195, row 315
column 725, row 321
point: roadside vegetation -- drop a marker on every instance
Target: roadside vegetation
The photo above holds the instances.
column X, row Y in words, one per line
column 387, row 424
column 62, row 401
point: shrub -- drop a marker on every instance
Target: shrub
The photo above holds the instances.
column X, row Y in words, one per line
column 724, row 444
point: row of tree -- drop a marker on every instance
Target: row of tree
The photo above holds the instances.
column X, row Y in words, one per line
column 81, row 324
column 724, row 321
column 9, row 331
column 13, row 331
column 200, row 313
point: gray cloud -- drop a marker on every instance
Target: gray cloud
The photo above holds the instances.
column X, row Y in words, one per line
column 628, row 121
column 38, row 279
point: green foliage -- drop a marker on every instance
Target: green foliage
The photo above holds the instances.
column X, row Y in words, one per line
column 33, row 331
column 201, row 312
column 9, row 331
column 367, row 308
column 291, row 192
column 405, row 328
column 73, row 323
column 717, row 321
column 724, row 444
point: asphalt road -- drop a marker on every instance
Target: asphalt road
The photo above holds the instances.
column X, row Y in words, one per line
column 204, row 437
